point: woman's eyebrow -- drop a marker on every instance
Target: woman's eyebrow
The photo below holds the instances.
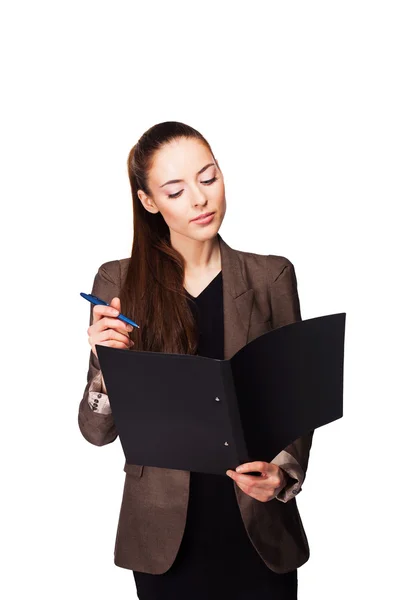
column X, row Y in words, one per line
column 179, row 180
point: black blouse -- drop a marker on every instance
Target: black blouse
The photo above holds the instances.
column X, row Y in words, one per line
column 216, row 558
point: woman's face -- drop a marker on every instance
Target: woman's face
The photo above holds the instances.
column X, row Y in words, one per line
column 195, row 193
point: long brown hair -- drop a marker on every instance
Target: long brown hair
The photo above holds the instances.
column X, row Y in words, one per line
column 153, row 292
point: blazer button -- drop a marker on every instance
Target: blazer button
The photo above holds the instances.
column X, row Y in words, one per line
column 99, row 395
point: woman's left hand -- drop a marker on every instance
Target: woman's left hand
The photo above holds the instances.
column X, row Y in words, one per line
column 264, row 487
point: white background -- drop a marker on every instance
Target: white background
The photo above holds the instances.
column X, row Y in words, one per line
column 300, row 102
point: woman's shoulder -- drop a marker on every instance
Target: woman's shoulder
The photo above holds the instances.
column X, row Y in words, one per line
column 271, row 264
column 114, row 270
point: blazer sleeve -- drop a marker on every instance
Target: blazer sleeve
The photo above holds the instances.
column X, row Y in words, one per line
column 285, row 308
column 95, row 418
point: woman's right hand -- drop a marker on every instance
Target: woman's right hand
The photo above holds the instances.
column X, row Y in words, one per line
column 106, row 329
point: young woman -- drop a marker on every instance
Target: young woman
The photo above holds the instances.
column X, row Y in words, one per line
column 186, row 534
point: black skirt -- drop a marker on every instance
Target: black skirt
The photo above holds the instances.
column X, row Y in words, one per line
column 216, row 559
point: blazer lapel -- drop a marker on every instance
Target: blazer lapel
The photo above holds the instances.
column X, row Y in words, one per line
column 238, row 300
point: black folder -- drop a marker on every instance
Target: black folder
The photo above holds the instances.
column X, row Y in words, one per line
column 195, row 413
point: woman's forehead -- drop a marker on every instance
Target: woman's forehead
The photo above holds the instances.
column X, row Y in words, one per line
column 180, row 159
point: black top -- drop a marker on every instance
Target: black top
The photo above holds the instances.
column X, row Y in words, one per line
column 216, row 558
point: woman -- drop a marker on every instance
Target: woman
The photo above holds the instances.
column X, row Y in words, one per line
column 187, row 534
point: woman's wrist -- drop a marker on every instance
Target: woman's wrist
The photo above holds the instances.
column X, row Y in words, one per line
column 284, row 478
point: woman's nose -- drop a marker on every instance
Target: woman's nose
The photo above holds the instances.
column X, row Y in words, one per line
column 199, row 199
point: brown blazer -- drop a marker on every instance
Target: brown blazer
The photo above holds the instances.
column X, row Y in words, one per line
column 259, row 294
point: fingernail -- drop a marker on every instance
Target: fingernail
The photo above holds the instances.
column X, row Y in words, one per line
column 115, row 312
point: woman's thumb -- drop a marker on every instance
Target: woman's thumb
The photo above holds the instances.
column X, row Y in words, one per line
column 116, row 303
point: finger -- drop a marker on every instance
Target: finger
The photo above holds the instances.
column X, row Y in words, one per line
column 112, row 334
column 109, row 342
column 100, row 310
column 244, row 479
column 252, row 482
column 257, row 465
column 109, row 323
column 251, row 491
column 117, row 324
column 116, row 303
column 113, row 344
column 125, row 344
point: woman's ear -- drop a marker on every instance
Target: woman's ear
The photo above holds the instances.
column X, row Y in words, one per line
column 147, row 202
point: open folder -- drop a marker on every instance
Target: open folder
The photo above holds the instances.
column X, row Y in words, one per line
column 195, row 413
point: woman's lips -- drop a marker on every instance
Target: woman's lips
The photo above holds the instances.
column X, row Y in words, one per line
column 204, row 220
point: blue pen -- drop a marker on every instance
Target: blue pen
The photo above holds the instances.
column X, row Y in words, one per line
column 96, row 300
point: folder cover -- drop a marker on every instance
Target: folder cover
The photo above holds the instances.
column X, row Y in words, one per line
column 195, row 413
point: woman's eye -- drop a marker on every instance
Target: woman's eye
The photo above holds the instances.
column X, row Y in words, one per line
column 208, row 182
column 175, row 195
